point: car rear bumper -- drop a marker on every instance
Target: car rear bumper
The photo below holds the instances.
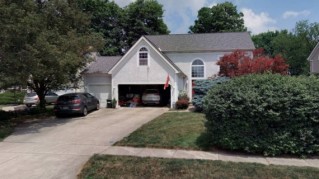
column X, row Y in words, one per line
column 77, row 110
column 150, row 102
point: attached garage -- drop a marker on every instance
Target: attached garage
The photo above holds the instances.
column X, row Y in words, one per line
column 101, row 91
column 96, row 79
column 127, row 92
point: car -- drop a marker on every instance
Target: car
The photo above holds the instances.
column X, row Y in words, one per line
column 76, row 103
column 151, row 96
column 33, row 99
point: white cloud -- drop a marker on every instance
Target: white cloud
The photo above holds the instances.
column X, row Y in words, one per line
column 293, row 14
column 257, row 23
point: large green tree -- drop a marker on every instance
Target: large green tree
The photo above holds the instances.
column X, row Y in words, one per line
column 44, row 43
column 295, row 46
column 107, row 19
column 223, row 17
column 143, row 17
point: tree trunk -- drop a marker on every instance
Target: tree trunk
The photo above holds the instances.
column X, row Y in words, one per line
column 42, row 100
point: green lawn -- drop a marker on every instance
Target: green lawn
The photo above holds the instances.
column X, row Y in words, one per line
column 104, row 166
column 11, row 97
column 182, row 130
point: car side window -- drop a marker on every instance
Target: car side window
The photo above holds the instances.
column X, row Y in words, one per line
column 89, row 95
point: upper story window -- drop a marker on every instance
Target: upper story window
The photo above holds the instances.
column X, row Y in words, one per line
column 198, row 69
column 143, row 57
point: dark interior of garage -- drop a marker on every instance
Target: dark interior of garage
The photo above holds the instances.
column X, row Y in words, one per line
column 128, row 94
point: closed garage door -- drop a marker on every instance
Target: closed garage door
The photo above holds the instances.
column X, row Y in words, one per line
column 101, row 91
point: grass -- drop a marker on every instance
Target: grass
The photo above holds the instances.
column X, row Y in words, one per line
column 178, row 130
column 10, row 97
column 104, row 166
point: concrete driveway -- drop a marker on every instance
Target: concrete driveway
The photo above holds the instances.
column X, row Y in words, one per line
column 58, row 148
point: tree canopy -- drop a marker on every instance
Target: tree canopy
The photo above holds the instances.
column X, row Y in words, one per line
column 122, row 27
column 43, row 43
column 295, row 46
column 143, row 17
column 223, row 17
column 107, row 19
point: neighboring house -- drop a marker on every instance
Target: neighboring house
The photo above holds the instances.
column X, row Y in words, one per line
column 147, row 65
column 314, row 60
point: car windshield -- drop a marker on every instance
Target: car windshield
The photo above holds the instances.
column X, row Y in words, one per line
column 151, row 91
column 68, row 98
column 31, row 94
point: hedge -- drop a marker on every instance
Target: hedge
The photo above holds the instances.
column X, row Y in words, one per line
column 267, row 114
column 201, row 87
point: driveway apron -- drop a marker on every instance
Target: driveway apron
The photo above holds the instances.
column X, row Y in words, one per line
column 58, row 148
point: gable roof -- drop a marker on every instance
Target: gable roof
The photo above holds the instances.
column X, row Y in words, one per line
column 202, row 42
column 313, row 52
column 102, row 64
column 169, row 62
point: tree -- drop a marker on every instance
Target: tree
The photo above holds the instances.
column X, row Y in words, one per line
column 43, row 43
column 238, row 64
column 264, row 40
column 295, row 46
column 143, row 17
column 107, row 19
column 223, row 17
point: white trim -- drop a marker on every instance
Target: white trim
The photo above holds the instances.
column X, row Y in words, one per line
column 141, row 83
column 313, row 52
column 135, row 45
column 148, row 57
column 98, row 84
column 191, row 75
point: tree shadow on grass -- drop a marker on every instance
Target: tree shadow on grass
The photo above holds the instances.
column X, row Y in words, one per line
column 203, row 141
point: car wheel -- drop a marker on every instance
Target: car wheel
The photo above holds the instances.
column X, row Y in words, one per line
column 84, row 111
column 97, row 106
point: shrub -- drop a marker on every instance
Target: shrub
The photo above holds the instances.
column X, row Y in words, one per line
column 182, row 104
column 201, row 88
column 183, row 95
column 268, row 114
column 238, row 64
column 5, row 116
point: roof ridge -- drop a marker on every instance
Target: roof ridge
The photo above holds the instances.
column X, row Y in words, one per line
column 195, row 34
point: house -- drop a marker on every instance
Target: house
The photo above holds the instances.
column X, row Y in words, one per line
column 154, row 59
column 314, row 60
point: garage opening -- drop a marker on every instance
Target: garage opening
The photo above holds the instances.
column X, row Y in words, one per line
column 144, row 95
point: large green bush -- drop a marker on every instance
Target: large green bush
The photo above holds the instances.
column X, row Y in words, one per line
column 201, row 87
column 268, row 114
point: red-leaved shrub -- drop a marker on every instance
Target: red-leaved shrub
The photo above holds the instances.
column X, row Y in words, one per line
column 239, row 63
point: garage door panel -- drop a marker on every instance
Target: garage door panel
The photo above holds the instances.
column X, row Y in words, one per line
column 102, row 92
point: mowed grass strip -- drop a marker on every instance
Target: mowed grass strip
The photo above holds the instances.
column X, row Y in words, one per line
column 177, row 130
column 105, row 166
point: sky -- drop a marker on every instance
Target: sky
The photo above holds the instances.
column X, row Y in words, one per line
column 259, row 15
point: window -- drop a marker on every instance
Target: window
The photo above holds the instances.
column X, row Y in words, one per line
column 143, row 57
column 198, row 69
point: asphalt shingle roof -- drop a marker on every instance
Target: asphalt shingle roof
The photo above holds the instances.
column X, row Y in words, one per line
column 202, row 42
column 102, row 64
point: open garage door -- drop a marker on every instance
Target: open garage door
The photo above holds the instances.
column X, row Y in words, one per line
column 101, row 92
column 128, row 92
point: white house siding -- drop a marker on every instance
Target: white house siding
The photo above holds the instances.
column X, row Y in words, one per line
column 129, row 71
column 98, row 85
column 184, row 62
column 314, row 62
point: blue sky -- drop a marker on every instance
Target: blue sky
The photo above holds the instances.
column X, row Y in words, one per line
column 259, row 15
